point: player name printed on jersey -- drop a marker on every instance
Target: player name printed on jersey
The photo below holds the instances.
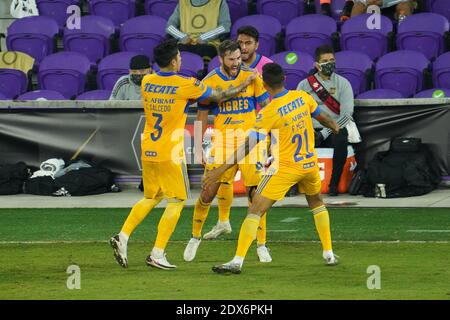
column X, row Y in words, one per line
column 166, row 98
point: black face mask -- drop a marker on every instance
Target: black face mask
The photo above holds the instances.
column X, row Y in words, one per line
column 328, row 68
column 137, row 78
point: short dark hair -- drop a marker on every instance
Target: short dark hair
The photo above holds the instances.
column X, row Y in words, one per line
column 323, row 50
column 249, row 31
column 273, row 75
column 228, row 45
column 165, row 52
column 139, row 62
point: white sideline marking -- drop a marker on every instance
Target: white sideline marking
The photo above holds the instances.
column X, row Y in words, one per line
column 215, row 241
column 422, row 231
column 290, row 219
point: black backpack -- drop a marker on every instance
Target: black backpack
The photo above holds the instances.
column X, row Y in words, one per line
column 86, row 181
column 12, row 178
column 407, row 169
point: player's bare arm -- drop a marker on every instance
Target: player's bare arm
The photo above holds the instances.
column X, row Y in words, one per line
column 202, row 116
column 220, row 96
column 328, row 122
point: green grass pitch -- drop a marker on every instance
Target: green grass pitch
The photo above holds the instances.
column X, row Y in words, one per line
column 410, row 246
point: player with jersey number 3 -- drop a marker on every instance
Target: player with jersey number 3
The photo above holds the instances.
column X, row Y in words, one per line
column 166, row 98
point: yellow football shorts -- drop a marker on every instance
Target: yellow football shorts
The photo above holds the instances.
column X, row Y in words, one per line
column 165, row 179
column 276, row 186
column 251, row 173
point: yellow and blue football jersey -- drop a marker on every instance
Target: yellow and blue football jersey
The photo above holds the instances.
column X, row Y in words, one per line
column 166, row 97
column 238, row 112
column 288, row 119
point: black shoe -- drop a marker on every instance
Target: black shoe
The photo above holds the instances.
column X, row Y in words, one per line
column 333, row 192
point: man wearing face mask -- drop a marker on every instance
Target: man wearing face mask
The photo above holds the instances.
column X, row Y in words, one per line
column 334, row 94
column 129, row 87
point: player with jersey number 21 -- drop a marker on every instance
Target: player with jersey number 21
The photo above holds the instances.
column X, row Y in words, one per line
column 288, row 119
column 166, row 97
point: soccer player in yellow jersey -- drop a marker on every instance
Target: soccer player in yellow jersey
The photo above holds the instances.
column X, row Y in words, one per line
column 233, row 117
column 288, row 119
column 166, row 96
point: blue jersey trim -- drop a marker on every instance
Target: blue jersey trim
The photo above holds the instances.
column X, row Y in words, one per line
column 316, row 112
column 257, row 60
column 205, row 95
column 165, row 74
column 224, row 77
column 263, row 97
column 282, row 93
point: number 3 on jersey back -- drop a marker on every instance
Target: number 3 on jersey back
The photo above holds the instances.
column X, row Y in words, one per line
column 157, row 126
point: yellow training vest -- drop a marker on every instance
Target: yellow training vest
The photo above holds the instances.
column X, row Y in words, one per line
column 197, row 20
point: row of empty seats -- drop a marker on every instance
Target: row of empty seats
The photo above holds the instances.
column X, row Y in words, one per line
column 426, row 33
column 403, row 71
column 283, row 10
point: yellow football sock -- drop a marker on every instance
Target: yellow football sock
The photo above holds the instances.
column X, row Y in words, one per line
column 247, row 234
column 200, row 214
column 224, row 201
column 138, row 213
column 322, row 221
column 167, row 223
column 262, row 231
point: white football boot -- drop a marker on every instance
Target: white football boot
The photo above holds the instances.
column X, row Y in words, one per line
column 191, row 249
column 217, row 230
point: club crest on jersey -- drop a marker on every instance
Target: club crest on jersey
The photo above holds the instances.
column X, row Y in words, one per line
column 309, row 165
column 151, row 153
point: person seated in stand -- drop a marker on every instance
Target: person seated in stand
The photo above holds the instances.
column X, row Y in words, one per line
column 199, row 24
column 334, row 94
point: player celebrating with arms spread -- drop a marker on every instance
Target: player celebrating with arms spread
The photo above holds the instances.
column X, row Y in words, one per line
column 166, row 96
column 288, row 118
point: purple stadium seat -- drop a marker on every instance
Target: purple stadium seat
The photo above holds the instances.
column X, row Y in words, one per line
column 92, row 39
column 440, row 7
column 238, row 9
column 354, row 67
column 268, row 28
column 401, row 71
column 56, row 9
column 380, row 94
column 423, row 32
column 3, row 97
column 297, row 71
column 95, row 95
column 12, row 82
column 441, row 71
column 429, row 93
column 112, row 67
column 355, row 36
column 118, row 11
column 336, row 7
column 46, row 94
column 32, row 35
column 308, row 32
column 214, row 63
column 283, row 10
column 160, row 8
column 191, row 64
column 142, row 34
column 64, row 72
